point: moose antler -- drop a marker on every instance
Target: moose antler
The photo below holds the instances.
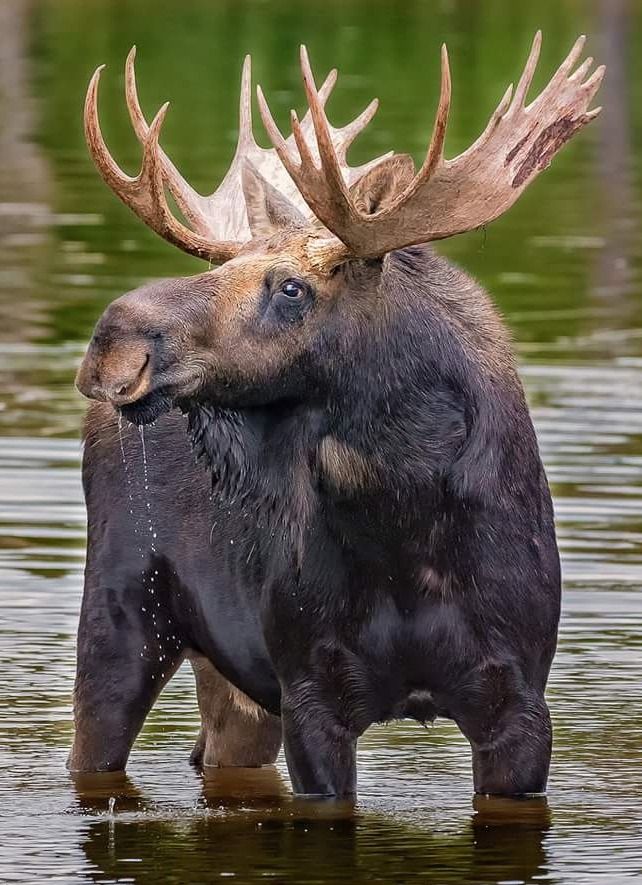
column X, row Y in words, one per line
column 218, row 222
column 446, row 197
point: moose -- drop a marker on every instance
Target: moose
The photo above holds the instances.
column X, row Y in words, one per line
column 351, row 521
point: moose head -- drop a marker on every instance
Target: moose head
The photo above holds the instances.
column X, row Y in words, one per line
column 301, row 241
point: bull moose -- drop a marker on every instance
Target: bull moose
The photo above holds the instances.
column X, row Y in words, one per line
column 352, row 523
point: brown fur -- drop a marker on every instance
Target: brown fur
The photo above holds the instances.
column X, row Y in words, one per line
column 345, row 467
column 235, row 732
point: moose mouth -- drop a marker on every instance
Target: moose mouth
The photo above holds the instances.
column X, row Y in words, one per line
column 174, row 389
column 149, row 407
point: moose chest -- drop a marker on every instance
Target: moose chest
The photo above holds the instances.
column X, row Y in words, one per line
column 358, row 629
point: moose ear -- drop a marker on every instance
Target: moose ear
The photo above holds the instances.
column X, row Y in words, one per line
column 267, row 209
column 381, row 184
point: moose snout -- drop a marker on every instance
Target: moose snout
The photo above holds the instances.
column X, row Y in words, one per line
column 120, row 376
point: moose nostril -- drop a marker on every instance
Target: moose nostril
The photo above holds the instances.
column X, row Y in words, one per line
column 130, row 387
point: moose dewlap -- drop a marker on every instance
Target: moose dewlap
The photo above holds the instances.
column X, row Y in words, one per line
column 367, row 532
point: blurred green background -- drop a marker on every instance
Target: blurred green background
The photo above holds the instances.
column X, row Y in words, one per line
column 551, row 250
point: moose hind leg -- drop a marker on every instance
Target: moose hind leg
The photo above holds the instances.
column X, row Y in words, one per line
column 235, row 732
column 509, row 729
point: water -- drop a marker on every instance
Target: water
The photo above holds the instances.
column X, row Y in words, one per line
column 565, row 266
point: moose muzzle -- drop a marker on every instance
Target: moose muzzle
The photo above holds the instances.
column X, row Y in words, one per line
column 119, row 374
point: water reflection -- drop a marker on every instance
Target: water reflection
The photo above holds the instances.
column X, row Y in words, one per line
column 565, row 267
column 267, row 835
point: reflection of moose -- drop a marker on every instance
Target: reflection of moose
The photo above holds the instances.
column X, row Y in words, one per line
column 265, row 836
column 380, row 538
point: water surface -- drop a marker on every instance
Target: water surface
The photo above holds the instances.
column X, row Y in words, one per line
column 565, row 267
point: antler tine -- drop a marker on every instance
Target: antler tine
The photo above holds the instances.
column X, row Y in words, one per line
column 327, row 152
column 435, row 152
column 593, row 84
column 327, row 86
column 110, row 171
column 145, row 194
column 138, row 121
column 151, row 180
column 527, row 75
column 325, row 91
column 274, row 133
column 188, row 200
column 496, row 117
column 583, row 69
column 352, row 130
column 246, row 136
column 571, row 58
column 302, row 146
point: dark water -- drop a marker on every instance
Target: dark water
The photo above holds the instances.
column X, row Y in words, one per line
column 566, row 268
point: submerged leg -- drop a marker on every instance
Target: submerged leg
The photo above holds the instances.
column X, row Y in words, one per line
column 234, row 730
column 126, row 653
column 319, row 750
column 509, row 729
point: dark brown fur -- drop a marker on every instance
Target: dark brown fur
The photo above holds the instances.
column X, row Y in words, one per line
column 379, row 539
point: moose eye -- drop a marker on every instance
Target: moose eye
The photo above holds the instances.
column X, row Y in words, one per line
column 292, row 289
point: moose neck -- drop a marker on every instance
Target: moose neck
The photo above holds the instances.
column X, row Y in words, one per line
column 407, row 422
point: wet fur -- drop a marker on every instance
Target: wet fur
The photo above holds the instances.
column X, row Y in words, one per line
column 379, row 548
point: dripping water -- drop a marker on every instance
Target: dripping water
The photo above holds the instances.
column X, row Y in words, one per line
column 148, row 504
column 128, row 479
column 111, row 820
column 146, row 537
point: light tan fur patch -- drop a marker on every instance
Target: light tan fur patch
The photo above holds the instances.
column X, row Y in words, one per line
column 347, row 468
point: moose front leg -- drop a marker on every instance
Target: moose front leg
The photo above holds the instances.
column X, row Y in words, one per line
column 320, row 752
column 124, row 658
column 509, row 729
column 235, row 732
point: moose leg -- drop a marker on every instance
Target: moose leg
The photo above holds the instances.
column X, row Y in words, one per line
column 320, row 752
column 235, row 732
column 124, row 658
column 510, row 733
